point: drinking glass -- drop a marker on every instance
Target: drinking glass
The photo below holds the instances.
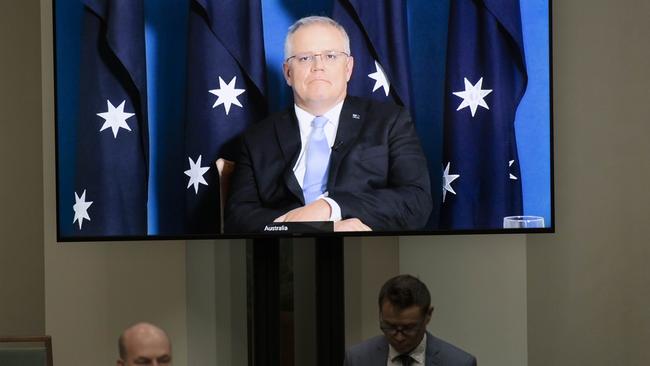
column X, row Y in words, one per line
column 523, row 222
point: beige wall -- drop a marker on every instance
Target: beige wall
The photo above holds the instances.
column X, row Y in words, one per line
column 93, row 291
column 216, row 303
column 589, row 284
column 22, row 310
column 368, row 263
column 478, row 288
column 477, row 283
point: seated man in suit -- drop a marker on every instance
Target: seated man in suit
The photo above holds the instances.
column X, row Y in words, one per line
column 404, row 312
column 330, row 157
column 144, row 344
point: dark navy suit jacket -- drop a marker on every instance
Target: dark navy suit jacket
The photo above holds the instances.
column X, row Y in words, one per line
column 377, row 172
column 374, row 352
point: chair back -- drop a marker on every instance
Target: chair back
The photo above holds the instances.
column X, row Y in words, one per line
column 26, row 351
column 225, row 169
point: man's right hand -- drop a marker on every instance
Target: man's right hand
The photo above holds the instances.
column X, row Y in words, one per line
column 352, row 224
column 318, row 210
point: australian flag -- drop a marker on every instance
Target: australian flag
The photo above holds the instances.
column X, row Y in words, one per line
column 485, row 80
column 110, row 195
column 225, row 93
column 378, row 32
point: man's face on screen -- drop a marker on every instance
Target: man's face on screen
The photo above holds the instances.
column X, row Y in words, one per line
column 318, row 67
column 403, row 328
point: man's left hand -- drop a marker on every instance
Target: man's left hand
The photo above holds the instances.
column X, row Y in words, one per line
column 318, row 210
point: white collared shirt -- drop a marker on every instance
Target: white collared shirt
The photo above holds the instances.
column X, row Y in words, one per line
column 417, row 354
column 304, row 123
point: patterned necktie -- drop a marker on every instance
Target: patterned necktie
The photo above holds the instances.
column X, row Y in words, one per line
column 316, row 161
column 405, row 359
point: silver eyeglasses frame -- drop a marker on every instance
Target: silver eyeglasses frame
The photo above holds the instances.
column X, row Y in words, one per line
column 326, row 57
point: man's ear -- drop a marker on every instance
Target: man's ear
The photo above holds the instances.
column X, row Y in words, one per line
column 349, row 66
column 286, row 71
column 120, row 362
column 429, row 313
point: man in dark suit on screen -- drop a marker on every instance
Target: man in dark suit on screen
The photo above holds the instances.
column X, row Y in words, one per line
column 330, row 157
column 404, row 312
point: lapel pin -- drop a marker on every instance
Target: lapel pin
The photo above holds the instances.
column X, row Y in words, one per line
column 356, row 116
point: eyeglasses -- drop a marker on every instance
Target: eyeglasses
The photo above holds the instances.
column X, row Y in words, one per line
column 326, row 57
column 408, row 330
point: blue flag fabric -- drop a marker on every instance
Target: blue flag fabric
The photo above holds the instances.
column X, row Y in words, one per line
column 110, row 197
column 225, row 93
column 485, row 80
column 378, row 32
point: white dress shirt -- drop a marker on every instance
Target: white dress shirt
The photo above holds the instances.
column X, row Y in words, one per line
column 304, row 123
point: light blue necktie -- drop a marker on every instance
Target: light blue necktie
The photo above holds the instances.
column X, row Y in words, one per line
column 316, row 161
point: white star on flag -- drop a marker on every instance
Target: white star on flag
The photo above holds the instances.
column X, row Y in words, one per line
column 512, row 177
column 195, row 173
column 80, row 208
column 446, row 182
column 380, row 79
column 115, row 118
column 227, row 94
column 473, row 96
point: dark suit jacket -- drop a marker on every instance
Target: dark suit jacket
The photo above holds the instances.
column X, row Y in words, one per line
column 377, row 172
column 374, row 352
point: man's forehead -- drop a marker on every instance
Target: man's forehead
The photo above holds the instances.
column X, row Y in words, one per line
column 147, row 343
column 149, row 352
column 317, row 33
column 316, row 27
column 390, row 310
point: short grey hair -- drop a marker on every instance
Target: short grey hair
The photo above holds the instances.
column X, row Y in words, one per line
column 314, row 19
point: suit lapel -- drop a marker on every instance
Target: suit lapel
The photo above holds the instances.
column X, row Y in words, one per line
column 432, row 358
column 287, row 134
column 381, row 356
column 350, row 122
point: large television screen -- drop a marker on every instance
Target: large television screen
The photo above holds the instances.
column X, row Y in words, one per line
column 185, row 119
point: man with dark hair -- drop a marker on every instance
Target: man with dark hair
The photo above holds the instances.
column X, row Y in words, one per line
column 144, row 344
column 404, row 312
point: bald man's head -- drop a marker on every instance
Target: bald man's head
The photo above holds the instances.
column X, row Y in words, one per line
column 144, row 344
